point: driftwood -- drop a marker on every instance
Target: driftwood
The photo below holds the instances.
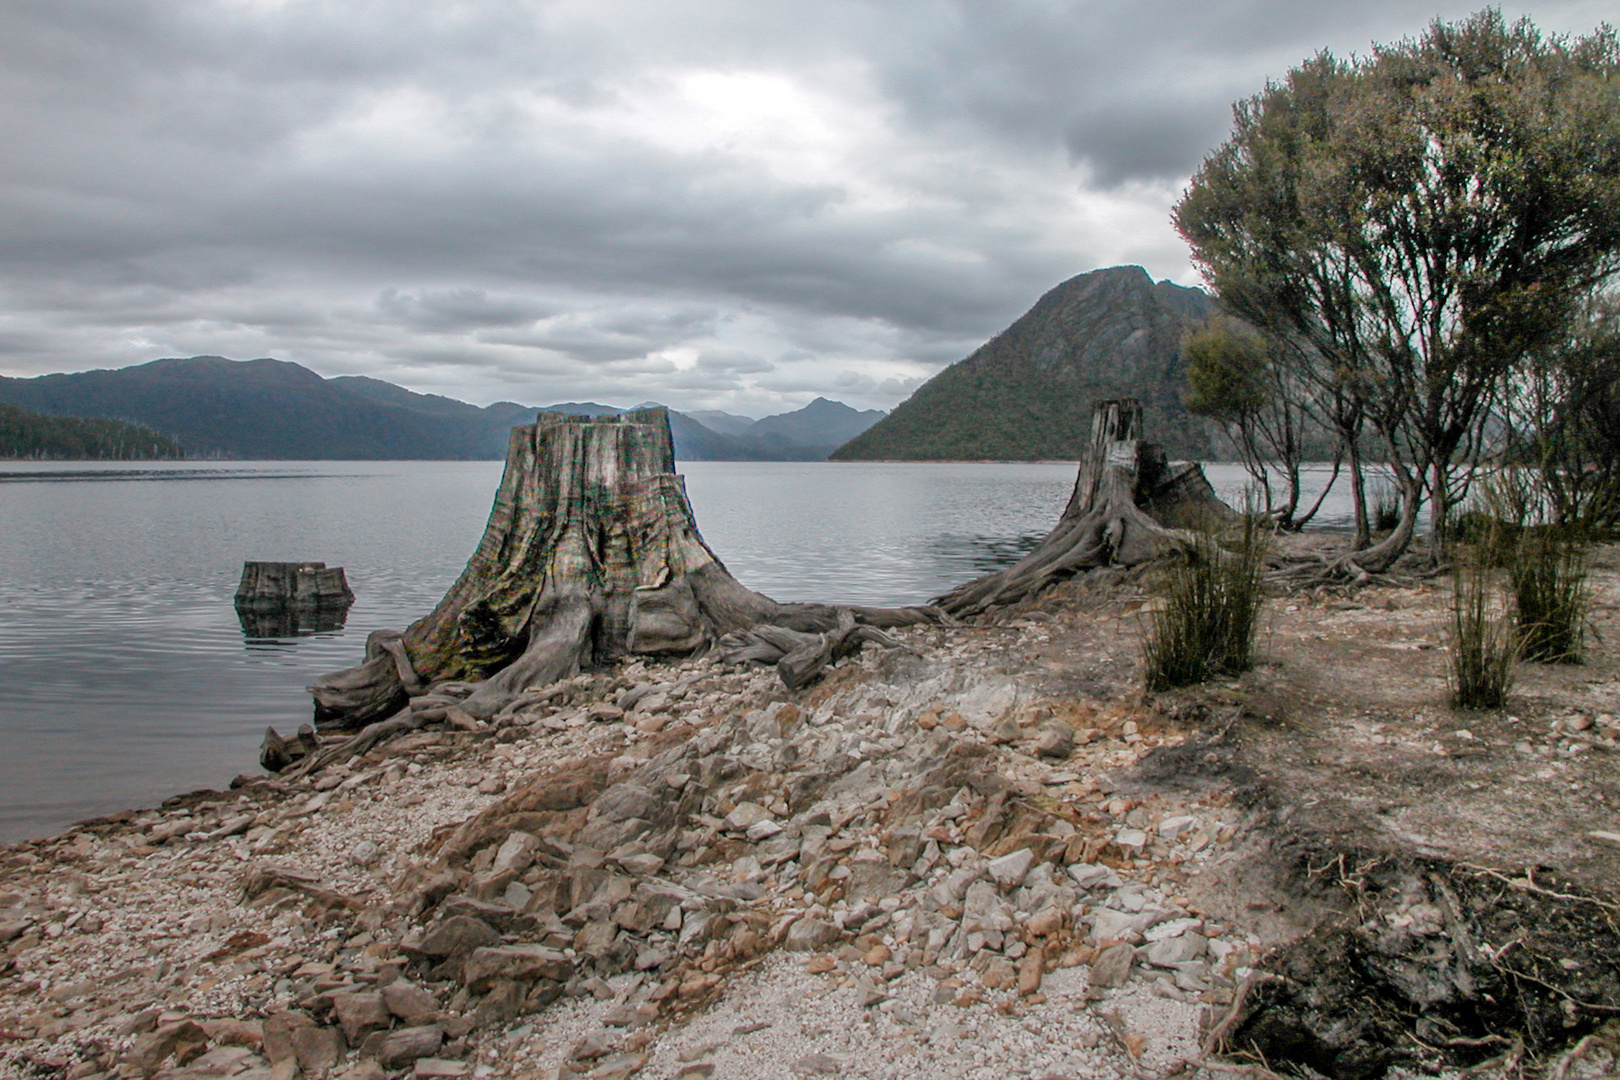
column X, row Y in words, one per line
column 277, row 753
column 1129, row 506
column 591, row 554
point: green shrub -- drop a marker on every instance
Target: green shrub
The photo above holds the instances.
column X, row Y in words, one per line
column 1211, row 612
column 1484, row 645
column 1548, row 576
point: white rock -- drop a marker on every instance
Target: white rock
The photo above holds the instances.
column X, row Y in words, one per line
column 1110, row 925
column 516, row 852
column 1009, row 870
column 1172, row 928
column 1090, row 875
column 1172, row 827
column 762, row 830
column 1135, row 839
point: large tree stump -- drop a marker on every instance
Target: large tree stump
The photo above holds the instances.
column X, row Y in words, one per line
column 1129, row 506
column 591, row 553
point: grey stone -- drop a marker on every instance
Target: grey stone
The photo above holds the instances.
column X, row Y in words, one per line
column 410, row 1002
column 622, row 802
column 395, row 1048
column 746, row 816
column 1172, row 827
column 317, row 1048
column 359, row 1014
column 1112, row 966
column 522, row 963
column 1057, row 741
column 1176, row 950
column 1092, row 875
column 1131, row 839
column 153, row 1047
column 516, row 853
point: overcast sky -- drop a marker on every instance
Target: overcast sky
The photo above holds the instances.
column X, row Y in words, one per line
column 733, row 204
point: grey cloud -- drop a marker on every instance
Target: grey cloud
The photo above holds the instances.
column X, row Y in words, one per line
column 1143, row 140
column 732, row 362
column 502, row 198
column 460, row 309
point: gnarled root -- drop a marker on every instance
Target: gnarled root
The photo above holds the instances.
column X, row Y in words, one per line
column 800, row 658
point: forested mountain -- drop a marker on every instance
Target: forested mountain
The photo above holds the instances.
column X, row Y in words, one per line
column 276, row 409
column 25, row 434
column 1027, row 393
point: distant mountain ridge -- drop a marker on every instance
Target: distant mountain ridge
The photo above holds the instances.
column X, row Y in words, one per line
column 1026, row 394
column 278, row 409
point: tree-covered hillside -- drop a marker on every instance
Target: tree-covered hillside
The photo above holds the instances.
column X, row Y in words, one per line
column 26, row 434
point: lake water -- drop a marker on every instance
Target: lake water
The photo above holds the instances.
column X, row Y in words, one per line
column 125, row 676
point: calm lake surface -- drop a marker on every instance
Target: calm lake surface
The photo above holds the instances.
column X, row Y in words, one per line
column 125, row 676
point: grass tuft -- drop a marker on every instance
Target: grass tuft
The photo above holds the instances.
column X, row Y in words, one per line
column 1211, row 613
column 1548, row 576
column 1484, row 645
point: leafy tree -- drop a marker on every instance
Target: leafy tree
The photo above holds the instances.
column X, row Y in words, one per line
column 1563, row 420
column 1235, row 379
column 1419, row 221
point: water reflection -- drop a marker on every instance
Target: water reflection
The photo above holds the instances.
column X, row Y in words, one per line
column 968, row 557
column 263, row 627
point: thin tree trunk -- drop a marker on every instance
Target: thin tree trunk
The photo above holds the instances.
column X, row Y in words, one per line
column 1378, row 558
column 1438, row 508
column 1358, row 492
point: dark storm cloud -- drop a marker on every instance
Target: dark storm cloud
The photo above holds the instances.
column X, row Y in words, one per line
column 724, row 203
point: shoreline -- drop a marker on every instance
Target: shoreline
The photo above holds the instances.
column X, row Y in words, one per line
column 993, row 858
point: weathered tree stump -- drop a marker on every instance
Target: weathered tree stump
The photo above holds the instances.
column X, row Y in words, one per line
column 269, row 585
column 591, row 553
column 1128, row 507
column 285, row 599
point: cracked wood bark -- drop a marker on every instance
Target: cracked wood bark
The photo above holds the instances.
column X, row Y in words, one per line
column 591, row 553
column 1129, row 505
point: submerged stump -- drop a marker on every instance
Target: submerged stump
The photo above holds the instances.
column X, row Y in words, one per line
column 272, row 586
column 591, row 553
column 285, row 599
column 1129, row 505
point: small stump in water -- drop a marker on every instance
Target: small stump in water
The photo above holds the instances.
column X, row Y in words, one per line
column 283, row 599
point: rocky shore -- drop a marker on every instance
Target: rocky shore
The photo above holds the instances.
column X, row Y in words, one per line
column 983, row 855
